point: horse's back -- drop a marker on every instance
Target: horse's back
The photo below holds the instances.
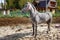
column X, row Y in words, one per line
column 43, row 17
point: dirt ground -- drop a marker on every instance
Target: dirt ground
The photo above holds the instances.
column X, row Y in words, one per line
column 15, row 21
column 21, row 29
column 24, row 32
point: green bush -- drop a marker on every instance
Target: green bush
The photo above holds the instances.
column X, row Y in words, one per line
column 17, row 13
column 57, row 14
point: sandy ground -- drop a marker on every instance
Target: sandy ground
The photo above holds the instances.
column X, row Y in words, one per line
column 24, row 32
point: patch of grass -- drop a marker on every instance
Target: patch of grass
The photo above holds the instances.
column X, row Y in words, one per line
column 17, row 13
column 7, row 16
column 57, row 14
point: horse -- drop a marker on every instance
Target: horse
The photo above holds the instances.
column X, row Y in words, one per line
column 37, row 17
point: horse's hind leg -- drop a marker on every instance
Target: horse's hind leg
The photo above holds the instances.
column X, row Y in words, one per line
column 48, row 26
column 48, row 22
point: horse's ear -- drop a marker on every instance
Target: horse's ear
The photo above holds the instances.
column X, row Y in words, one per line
column 28, row 2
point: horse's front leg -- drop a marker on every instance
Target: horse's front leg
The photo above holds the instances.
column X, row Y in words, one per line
column 33, row 28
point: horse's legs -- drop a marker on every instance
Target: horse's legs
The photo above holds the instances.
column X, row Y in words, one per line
column 48, row 22
column 48, row 26
column 33, row 28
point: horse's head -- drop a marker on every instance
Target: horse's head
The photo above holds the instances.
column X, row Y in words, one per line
column 27, row 7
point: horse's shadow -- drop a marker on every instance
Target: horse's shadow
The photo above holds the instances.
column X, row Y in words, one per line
column 15, row 36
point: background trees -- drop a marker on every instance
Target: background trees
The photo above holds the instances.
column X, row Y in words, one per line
column 18, row 4
column 58, row 4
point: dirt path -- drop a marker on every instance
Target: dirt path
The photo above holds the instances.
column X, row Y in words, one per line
column 23, row 32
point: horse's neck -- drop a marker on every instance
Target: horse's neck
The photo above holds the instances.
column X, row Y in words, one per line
column 33, row 12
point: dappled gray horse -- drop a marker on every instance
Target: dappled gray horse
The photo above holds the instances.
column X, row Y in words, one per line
column 37, row 17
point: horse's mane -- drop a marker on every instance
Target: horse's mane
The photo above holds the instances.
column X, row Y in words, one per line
column 33, row 6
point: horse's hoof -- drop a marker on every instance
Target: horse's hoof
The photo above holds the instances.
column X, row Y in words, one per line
column 47, row 32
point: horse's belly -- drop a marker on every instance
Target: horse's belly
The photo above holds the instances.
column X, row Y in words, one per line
column 40, row 21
